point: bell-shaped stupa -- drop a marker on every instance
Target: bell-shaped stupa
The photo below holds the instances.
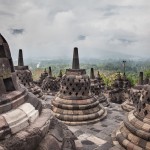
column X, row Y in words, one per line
column 134, row 132
column 25, row 77
column 74, row 104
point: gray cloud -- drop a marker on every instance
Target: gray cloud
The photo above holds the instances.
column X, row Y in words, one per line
column 52, row 28
column 7, row 14
column 126, row 41
column 17, row 31
column 81, row 37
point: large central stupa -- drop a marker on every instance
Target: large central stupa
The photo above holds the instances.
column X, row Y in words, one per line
column 74, row 104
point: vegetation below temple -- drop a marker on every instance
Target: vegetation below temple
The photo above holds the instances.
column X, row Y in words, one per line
column 107, row 68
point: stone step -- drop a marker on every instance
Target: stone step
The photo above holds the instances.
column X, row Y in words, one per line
column 75, row 102
column 76, row 112
column 78, row 118
column 75, row 123
column 75, row 107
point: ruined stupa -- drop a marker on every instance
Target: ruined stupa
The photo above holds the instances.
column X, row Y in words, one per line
column 134, row 131
column 96, row 89
column 119, row 92
column 42, row 77
column 133, row 95
column 74, row 104
column 25, row 124
column 50, row 84
column 100, row 80
column 25, row 77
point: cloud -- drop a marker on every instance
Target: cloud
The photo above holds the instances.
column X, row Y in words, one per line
column 6, row 14
column 52, row 28
column 81, row 37
column 17, row 31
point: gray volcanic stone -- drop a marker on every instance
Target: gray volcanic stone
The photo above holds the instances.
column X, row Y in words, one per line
column 49, row 143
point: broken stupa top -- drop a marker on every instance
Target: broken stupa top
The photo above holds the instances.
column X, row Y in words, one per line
column 7, row 77
column 13, row 97
column 50, row 84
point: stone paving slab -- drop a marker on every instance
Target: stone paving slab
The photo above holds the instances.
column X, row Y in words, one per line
column 98, row 136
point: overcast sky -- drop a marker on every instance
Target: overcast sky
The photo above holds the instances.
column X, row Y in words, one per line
column 53, row 27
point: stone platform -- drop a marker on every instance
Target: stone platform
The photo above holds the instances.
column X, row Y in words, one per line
column 98, row 136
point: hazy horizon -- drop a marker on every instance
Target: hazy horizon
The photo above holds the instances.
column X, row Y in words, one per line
column 100, row 29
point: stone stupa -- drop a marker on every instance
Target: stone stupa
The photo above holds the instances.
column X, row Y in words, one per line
column 95, row 85
column 134, row 132
column 25, row 77
column 41, row 78
column 133, row 94
column 74, row 104
column 96, row 89
column 119, row 92
column 50, row 84
column 25, row 124
column 100, row 80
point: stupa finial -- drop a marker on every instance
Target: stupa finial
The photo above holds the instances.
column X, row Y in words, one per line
column 75, row 62
column 20, row 58
column 92, row 76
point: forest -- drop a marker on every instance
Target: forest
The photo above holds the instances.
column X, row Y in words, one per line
column 107, row 68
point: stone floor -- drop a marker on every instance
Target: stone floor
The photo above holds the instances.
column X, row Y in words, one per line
column 98, row 136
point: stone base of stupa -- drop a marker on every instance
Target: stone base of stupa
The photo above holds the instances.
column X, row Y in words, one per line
column 127, row 106
column 133, row 133
column 103, row 100
column 25, row 123
column 78, row 112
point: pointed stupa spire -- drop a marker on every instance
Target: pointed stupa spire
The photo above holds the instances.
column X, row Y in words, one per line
column 75, row 62
column 92, row 76
column 141, row 78
column 20, row 58
column 50, row 72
